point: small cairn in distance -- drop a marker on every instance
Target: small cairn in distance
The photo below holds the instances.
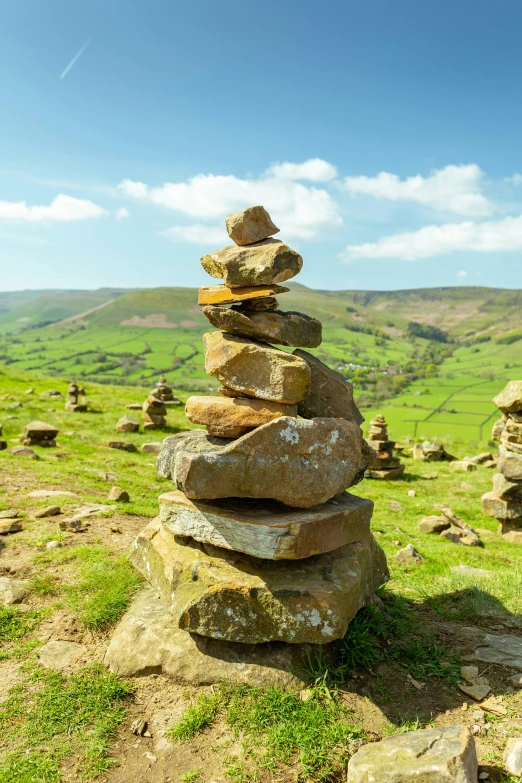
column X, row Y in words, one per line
column 73, row 394
column 385, row 465
column 165, row 393
column 154, row 412
column 504, row 503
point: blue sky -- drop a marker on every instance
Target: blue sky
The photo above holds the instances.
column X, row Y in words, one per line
column 383, row 137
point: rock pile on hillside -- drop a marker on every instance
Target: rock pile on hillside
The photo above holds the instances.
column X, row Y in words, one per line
column 154, row 412
column 385, row 465
column 505, row 501
column 73, row 394
column 165, row 393
column 260, row 543
column 431, row 452
column 38, row 433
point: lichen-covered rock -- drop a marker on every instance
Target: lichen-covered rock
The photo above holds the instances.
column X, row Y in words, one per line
column 264, row 263
column 250, row 225
column 330, row 393
column 222, row 294
column 226, row 417
column 228, row 595
column 510, row 398
column 297, row 462
column 271, row 326
column 266, row 529
column 438, row 755
column 256, row 368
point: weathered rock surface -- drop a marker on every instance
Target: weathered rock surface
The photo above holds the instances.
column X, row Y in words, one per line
column 148, row 639
column 504, row 649
column 9, row 513
column 49, row 511
column 433, row 524
column 227, row 417
column 58, row 654
column 256, row 368
column 252, row 224
column 122, row 445
column 272, row 326
column 119, row 495
column 510, row 463
column 330, row 394
column 40, row 431
column 265, row 263
column 261, row 304
column 510, row 398
column 458, row 536
column 409, row 555
column 297, row 462
column 10, row 526
column 151, row 448
column 228, row 595
column 126, row 424
column 13, row 591
column 513, row 756
column 266, row 529
column 24, row 451
column 501, row 508
column 438, row 755
column 222, row 294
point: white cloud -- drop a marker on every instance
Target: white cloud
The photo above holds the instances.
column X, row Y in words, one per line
column 453, row 188
column 198, row 234
column 300, row 210
column 63, row 208
column 314, row 170
column 122, row 213
column 491, row 236
column 462, row 274
column 516, row 179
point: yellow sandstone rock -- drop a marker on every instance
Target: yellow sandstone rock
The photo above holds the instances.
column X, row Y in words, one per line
column 229, row 418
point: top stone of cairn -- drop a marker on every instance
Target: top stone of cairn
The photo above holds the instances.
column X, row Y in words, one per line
column 250, row 225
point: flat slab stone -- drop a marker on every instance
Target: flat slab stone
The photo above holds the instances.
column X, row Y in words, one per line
column 252, row 224
column 148, row 639
column 229, row 595
column 58, row 655
column 506, row 488
column 266, row 529
column 330, row 393
column 466, row 570
column 222, row 294
column 255, row 368
column 501, row 508
column 13, row 591
column 263, row 263
column 504, row 649
column 227, row 417
column 51, row 493
column 438, row 755
column 295, row 461
column 10, row 526
column 509, row 400
column 386, row 474
column 271, row 326
column 39, row 430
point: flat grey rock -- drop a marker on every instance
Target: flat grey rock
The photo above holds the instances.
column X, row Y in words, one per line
column 58, row 655
column 467, row 570
column 148, row 640
column 13, row 591
column 504, row 649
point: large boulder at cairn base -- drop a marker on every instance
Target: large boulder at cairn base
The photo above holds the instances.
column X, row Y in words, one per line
column 297, row 462
column 228, row 595
column 264, row 263
column 445, row 755
column 330, row 393
column 256, row 369
column 266, row 529
column 271, row 326
column 227, row 417
column 252, row 224
column 510, row 398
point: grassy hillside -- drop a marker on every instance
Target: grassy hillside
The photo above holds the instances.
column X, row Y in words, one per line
column 428, row 383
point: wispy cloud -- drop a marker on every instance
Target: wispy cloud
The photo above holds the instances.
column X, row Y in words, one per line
column 122, row 213
column 61, row 209
column 75, row 59
column 198, row 234
column 462, row 274
column 493, row 236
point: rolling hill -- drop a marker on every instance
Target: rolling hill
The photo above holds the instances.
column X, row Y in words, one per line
column 429, row 378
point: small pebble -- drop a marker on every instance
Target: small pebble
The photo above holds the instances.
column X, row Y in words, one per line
column 53, row 545
column 411, row 493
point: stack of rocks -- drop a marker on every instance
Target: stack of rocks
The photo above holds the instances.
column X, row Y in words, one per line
column 165, row 393
column 385, row 465
column 431, row 452
column 38, row 433
column 154, row 412
column 73, row 394
column 260, row 542
column 505, row 501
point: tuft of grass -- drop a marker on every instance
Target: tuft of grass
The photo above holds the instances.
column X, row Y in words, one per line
column 45, row 585
column 278, row 728
column 192, row 776
column 104, row 589
column 14, row 623
column 50, row 719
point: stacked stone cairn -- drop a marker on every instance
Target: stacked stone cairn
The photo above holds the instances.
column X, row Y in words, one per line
column 38, row 433
column 505, row 501
column 73, row 394
column 165, row 393
column 154, row 411
column 385, row 465
column 260, row 542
